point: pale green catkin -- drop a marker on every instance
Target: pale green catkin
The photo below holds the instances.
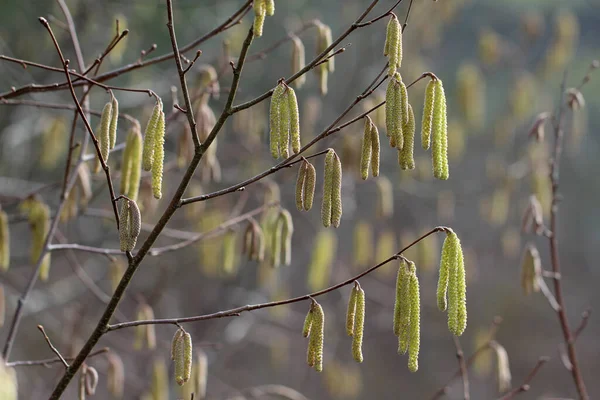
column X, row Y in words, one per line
column 284, row 124
column 446, row 263
column 336, row 192
column 324, row 41
column 274, row 120
column 439, row 134
column 187, row 356
column 124, row 225
column 4, row 242
column 351, row 312
column 391, row 121
column 452, row 270
column 104, row 138
column 135, row 224
column 366, row 152
column 323, row 79
column 406, row 155
column 359, row 325
column 298, row 60
column 294, row 120
column 403, row 100
column 174, row 343
column 300, row 185
column 309, row 187
column 401, row 280
column 375, row 150
column 393, row 44
column 427, row 122
column 270, row 7
column 148, row 153
column 260, row 12
column 405, row 309
column 461, row 284
column 126, row 165
column 2, row 306
column 327, row 188
column 315, row 341
column 286, row 236
column 114, row 119
column 307, row 324
column 159, row 155
column 415, row 321
column 276, row 238
column 229, row 253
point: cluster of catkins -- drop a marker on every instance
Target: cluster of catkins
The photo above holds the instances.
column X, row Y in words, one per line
column 399, row 116
column 451, row 295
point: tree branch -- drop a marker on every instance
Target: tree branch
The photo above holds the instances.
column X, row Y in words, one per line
column 525, row 385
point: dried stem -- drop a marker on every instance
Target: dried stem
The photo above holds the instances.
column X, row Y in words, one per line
column 54, row 349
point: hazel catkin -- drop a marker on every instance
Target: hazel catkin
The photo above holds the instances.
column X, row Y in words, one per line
column 316, row 336
column 366, row 153
column 158, row 157
column 114, row 119
column 393, row 44
column 406, row 157
column 4, row 242
column 439, row 134
column 274, row 120
column 427, row 122
column 359, row 324
column 104, row 134
column 149, row 134
column 298, row 60
column 415, row 316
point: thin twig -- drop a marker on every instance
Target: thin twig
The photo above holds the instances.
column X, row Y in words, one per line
column 47, row 362
column 54, row 349
column 525, row 386
column 464, row 372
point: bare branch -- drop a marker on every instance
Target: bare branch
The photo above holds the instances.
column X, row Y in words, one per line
column 54, row 349
column 525, row 385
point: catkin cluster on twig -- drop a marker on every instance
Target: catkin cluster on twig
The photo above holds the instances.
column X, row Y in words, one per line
column 370, row 153
column 305, row 186
column 254, row 242
column 393, row 44
column 181, row 354
column 406, row 157
column 154, row 153
column 452, row 290
column 331, row 208
column 396, row 111
column 131, row 164
column 314, row 329
column 435, row 127
column 130, row 224
column 285, row 121
column 355, row 320
column 107, row 133
column 262, row 8
column 407, row 313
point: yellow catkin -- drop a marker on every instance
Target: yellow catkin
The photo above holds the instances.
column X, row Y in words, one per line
column 274, row 119
column 160, row 381
column 294, row 113
column 131, row 164
column 366, row 152
column 401, row 280
column 439, row 134
column 8, row 382
column 4, row 242
column 375, row 150
column 175, row 343
column 300, row 185
column 149, row 134
column 446, row 262
column 359, row 325
column 182, row 355
column 260, row 12
column 114, row 119
column 315, row 341
column 308, row 191
column 385, row 198
column 124, row 225
column 427, row 122
column 363, row 244
column 126, row 165
column 391, row 111
column 406, row 157
column 327, row 188
column 38, row 215
column 324, row 253
column 284, row 124
column 336, row 192
column 270, row 7
column 187, row 356
column 135, row 224
column 503, row 375
column 415, row 321
column 159, row 155
column 323, row 42
column 201, row 374
column 2, row 306
column 115, row 379
column 298, row 60
column 323, row 79
column 306, row 328
column 286, row 236
column 453, row 263
column 229, row 264
column 531, row 270
column 405, row 308
column 276, row 240
column 104, row 134
column 81, row 395
column 351, row 312
column 393, row 44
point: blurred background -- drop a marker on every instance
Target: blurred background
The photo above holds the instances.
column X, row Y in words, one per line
column 501, row 63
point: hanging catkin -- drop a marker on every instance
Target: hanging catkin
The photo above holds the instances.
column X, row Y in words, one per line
column 114, row 119
column 104, row 134
column 402, row 308
column 131, row 164
column 531, row 270
column 366, row 152
column 331, row 209
column 274, row 119
column 115, row 379
column 359, row 324
column 38, row 214
column 351, row 312
column 300, row 185
column 260, row 12
column 149, row 134
column 415, row 322
column 4, row 242
column 298, row 60
column 284, row 124
column 294, row 119
column 182, row 355
column 452, row 280
column 375, row 150
column 427, row 122
column 308, row 191
column 396, row 110
column 316, row 336
column 393, row 44
column 130, row 224
column 406, row 157
column 286, row 236
column 159, row 155
column 439, row 134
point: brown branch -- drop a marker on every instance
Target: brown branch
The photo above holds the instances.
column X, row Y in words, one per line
column 48, row 361
column 585, row 316
column 525, row 386
column 237, row 311
column 569, row 339
column 54, row 349
column 464, row 372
